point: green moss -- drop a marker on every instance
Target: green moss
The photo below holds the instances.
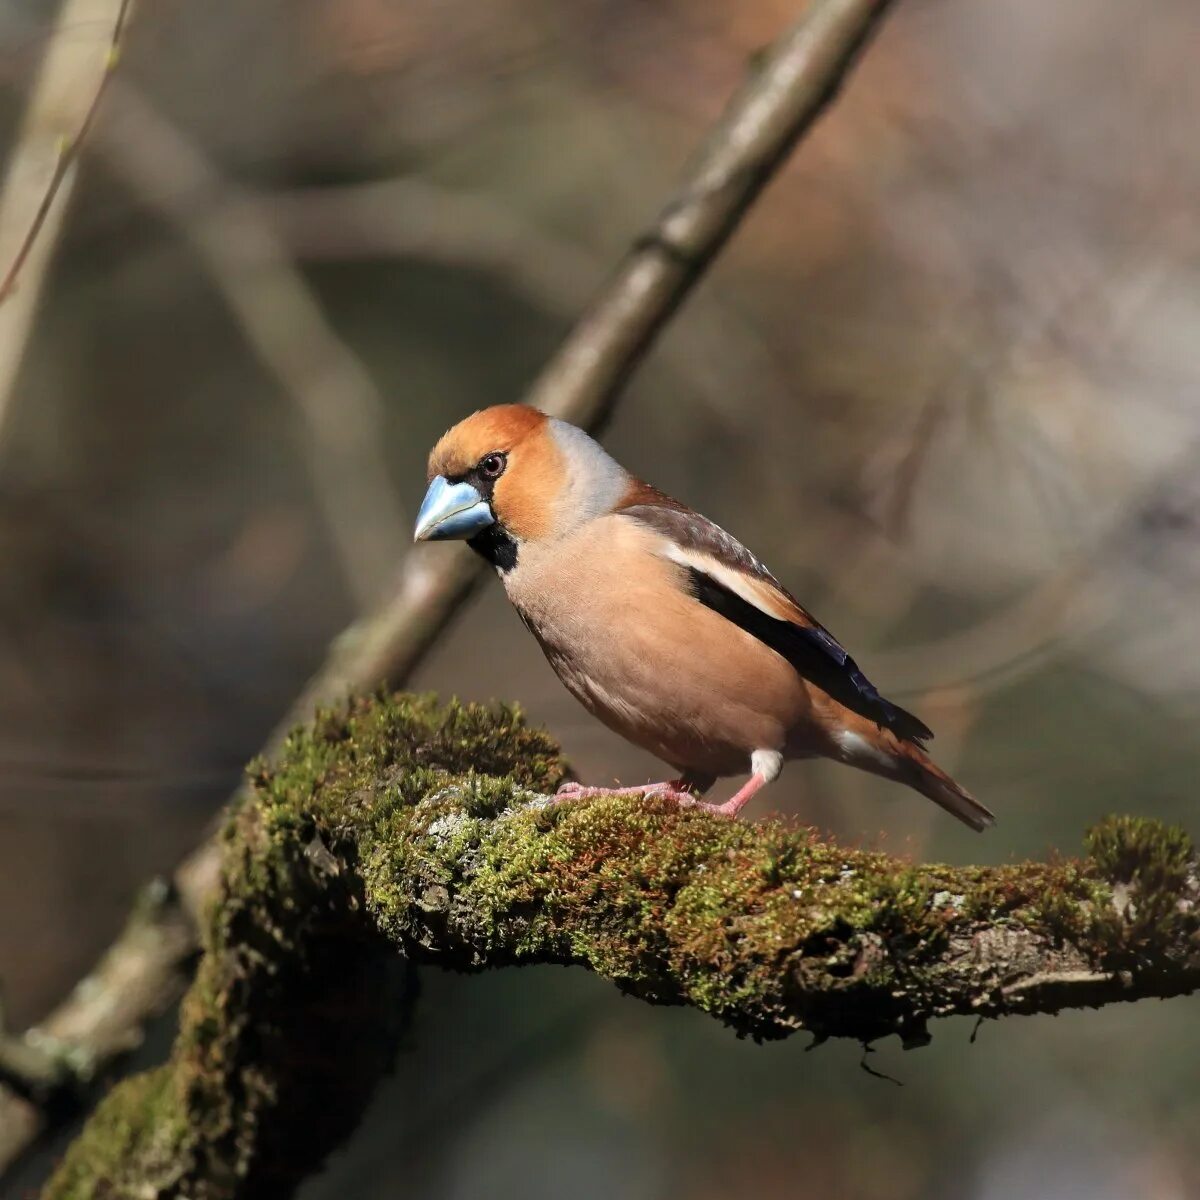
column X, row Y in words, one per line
column 1150, row 866
column 314, row 848
column 132, row 1144
column 396, row 822
column 674, row 906
column 377, row 757
column 1141, row 851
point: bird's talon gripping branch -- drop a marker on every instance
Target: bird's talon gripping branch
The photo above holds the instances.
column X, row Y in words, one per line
column 672, row 789
column 734, row 804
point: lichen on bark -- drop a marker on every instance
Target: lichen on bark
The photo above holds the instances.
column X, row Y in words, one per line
column 396, row 831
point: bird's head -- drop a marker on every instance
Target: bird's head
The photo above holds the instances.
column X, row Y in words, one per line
column 511, row 475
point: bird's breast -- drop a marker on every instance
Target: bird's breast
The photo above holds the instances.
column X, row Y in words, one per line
column 639, row 652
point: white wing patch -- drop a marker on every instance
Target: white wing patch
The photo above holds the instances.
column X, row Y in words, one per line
column 757, row 592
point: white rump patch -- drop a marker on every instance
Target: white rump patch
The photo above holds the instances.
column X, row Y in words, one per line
column 858, row 750
column 767, row 763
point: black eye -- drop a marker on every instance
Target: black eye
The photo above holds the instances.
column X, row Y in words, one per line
column 492, row 465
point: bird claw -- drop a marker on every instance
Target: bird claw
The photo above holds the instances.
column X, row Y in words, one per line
column 668, row 791
column 734, row 804
column 672, row 789
column 723, row 810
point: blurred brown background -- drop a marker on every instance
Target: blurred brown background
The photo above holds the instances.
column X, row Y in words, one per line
column 945, row 381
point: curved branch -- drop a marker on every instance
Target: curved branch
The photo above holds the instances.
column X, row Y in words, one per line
column 396, row 824
column 792, row 83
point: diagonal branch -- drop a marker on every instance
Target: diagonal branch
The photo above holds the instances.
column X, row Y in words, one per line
column 69, row 146
column 792, row 83
column 406, row 217
column 41, row 169
column 395, row 825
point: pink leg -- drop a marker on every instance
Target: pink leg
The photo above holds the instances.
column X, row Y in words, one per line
column 671, row 789
column 735, row 803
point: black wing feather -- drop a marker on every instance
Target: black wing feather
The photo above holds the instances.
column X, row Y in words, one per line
column 814, row 652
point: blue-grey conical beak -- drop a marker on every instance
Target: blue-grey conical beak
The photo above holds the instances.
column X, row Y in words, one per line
column 451, row 510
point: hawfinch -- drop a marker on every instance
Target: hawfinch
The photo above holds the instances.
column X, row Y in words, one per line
column 662, row 625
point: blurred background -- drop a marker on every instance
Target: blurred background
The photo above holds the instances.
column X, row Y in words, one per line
column 945, row 381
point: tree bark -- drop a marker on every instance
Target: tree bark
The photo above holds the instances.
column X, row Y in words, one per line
column 394, row 833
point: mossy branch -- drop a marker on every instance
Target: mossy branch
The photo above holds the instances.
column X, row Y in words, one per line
column 396, row 832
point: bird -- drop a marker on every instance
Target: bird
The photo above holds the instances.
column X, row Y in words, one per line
column 665, row 627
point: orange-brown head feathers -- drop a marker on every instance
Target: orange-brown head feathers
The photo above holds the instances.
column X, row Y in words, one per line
column 501, row 428
column 539, row 477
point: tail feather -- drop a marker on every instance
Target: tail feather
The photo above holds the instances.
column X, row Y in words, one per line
column 880, row 751
column 930, row 780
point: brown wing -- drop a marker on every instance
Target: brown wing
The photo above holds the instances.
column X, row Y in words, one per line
column 723, row 575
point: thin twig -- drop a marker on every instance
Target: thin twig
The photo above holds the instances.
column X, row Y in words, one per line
column 68, row 153
column 31, row 212
column 792, row 83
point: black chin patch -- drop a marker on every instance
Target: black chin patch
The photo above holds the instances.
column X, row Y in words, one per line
column 497, row 546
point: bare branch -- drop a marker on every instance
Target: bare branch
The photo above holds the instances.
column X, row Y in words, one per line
column 40, row 172
column 405, row 217
column 791, row 84
column 376, row 830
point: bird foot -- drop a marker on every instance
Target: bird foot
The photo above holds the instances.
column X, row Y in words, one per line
column 728, row 809
column 671, row 789
column 734, row 804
